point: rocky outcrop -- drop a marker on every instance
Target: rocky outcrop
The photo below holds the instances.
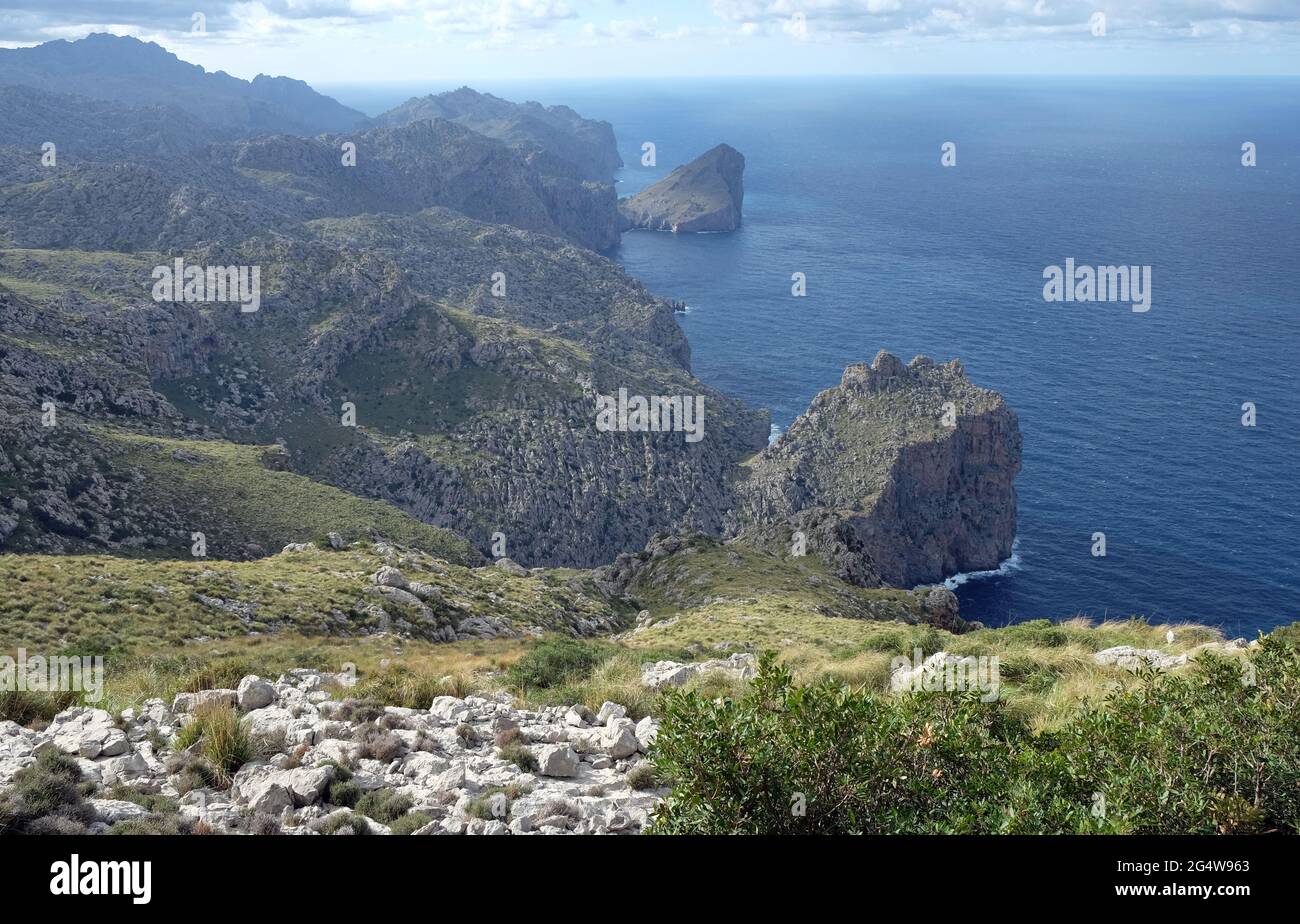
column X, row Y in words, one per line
column 704, row 195
column 1136, row 659
column 901, row 475
column 739, row 666
column 447, row 764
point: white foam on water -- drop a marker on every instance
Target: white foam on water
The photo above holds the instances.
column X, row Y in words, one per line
column 1009, row 566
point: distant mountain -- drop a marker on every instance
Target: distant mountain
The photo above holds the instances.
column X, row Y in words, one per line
column 132, row 178
column 704, row 195
column 565, row 142
column 126, row 70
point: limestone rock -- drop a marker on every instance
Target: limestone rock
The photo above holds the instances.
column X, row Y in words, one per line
column 740, row 666
column 557, row 760
column 254, row 693
column 1130, row 658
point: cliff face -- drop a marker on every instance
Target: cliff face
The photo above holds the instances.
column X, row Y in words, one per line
column 704, row 195
column 901, row 475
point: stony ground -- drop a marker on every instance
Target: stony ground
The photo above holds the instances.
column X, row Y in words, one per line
column 476, row 765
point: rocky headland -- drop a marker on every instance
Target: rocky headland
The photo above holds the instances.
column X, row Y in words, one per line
column 900, row 475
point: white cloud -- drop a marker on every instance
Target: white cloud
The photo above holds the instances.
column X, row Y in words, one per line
column 829, row 20
column 27, row 20
column 643, row 29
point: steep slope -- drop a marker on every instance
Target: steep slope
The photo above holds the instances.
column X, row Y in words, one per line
column 472, row 412
column 704, row 195
column 901, row 475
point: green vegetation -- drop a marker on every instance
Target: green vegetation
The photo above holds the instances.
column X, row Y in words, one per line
column 240, row 496
column 122, row 606
column 409, row 823
column 25, row 707
column 46, row 798
column 494, row 804
column 555, row 660
column 385, row 806
column 519, row 755
column 224, row 741
column 642, row 777
column 1207, row 751
column 333, row 824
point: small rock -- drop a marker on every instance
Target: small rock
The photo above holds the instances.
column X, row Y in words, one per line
column 389, row 576
column 556, row 760
column 254, row 693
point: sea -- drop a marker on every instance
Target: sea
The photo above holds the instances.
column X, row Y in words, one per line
column 1173, row 432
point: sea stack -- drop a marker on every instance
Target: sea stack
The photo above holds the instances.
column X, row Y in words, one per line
column 704, row 195
column 899, row 476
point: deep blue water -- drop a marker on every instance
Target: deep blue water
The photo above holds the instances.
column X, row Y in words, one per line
column 1131, row 422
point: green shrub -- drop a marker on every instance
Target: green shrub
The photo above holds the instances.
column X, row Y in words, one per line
column 154, row 802
column 399, row 686
column 336, row 823
column 554, row 661
column 154, row 825
column 1169, row 754
column 481, row 807
column 344, row 794
column 409, row 823
column 341, row 773
column 520, row 756
column 384, row 805
column 25, row 707
column 46, row 798
column 1287, row 635
column 642, row 777
column 224, row 741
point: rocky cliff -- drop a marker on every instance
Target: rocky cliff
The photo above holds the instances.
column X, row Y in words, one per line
column 704, row 195
column 901, row 475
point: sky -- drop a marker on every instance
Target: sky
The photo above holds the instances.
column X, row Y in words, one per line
column 392, row 41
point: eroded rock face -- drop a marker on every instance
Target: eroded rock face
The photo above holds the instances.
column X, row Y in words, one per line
column 704, row 195
column 899, row 476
